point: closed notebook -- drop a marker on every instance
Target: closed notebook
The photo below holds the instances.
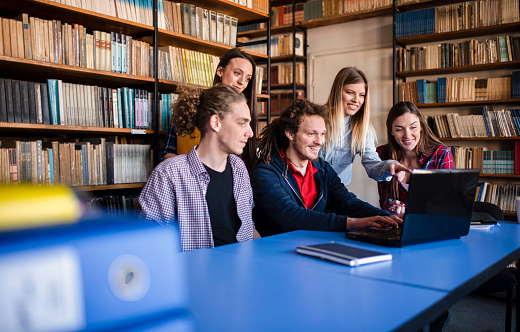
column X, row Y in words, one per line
column 343, row 254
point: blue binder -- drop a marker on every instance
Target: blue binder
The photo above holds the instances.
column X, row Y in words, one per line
column 94, row 275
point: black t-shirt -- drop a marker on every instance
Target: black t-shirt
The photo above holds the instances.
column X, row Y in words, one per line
column 222, row 207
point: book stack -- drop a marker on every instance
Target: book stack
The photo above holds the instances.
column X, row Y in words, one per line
column 467, row 15
column 280, row 100
column 280, row 45
column 312, row 9
column 201, row 23
column 115, row 205
column 283, row 15
column 466, row 53
column 334, row 8
column 500, row 194
column 459, row 89
column 282, row 73
column 69, row 44
column 92, row 162
column 182, row 65
column 138, row 11
column 258, row 5
column 59, row 103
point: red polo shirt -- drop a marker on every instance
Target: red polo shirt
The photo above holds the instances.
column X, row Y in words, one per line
column 306, row 184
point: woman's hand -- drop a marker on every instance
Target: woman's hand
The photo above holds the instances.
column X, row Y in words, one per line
column 396, row 206
column 395, row 167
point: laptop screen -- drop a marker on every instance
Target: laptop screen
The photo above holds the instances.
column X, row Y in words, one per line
column 442, row 192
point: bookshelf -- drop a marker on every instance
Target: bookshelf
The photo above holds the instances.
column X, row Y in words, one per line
column 148, row 84
column 421, row 68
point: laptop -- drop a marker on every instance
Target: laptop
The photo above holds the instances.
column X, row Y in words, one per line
column 439, row 207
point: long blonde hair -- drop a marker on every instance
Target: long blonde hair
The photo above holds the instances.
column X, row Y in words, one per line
column 359, row 122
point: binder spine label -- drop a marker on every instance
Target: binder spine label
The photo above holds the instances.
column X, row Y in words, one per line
column 41, row 291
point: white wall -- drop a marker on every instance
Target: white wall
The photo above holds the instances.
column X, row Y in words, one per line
column 366, row 44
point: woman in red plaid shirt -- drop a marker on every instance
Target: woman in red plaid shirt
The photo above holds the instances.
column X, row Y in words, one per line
column 413, row 144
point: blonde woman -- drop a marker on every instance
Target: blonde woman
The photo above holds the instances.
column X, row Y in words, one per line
column 350, row 132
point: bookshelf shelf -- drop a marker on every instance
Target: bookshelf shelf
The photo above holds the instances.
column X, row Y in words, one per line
column 471, row 103
column 482, row 31
column 110, row 187
column 321, row 22
column 32, row 70
column 279, row 29
column 460, row 69
column 45, row 128
column 288, row 58
column 288, row 86
column 421, row 4
column 245, row 15
column 506, row 176
column 54, row 10
column 480, row 138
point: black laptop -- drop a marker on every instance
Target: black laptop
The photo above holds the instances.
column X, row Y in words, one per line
column 439, row 207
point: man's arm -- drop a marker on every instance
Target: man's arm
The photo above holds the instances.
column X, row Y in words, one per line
column 278, row 201
column 157, row 198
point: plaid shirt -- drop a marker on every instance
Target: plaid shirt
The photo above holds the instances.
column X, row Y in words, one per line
column 176, row 191
column 440, row 159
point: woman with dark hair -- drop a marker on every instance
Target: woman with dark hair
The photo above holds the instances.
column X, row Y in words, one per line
column 236, row 69
column 350, row 132
column 413, row 144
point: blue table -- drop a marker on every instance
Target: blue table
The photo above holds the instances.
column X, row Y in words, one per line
column 264, row 285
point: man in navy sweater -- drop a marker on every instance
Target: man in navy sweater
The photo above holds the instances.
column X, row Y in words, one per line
column 294, row 189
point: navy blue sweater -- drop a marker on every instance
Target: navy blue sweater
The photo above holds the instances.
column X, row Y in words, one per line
column 279, row 207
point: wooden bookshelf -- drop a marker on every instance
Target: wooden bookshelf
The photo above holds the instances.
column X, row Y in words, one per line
column 39, row 70
column 244, row 14
column 452, row 35
column 480, row 138
column 321, row 22
column 105, row 187
column 288, row 86
column 471, row 103
column 422, row 4
column 275, row 30
column 460, row 69
column 57, row 129
column 288, row 58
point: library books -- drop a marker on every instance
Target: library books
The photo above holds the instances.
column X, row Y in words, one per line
column 343, row 254
column 87, row 162
column 114, row 205
column 70, row 44
column 259, row 5
column 499, row 194
column 334, row 8
column 489, row 162
column 280, row 45
column 461, row 89
column 470, row 52
column 280, row 100
column 187, row 66
column 60, row 103
column 466, row 15
column 283, row 15
column 195, row 21
column 165, row 107
column 282, row 73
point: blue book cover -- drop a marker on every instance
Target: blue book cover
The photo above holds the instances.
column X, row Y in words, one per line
column 52, row 86
column 103, row 274
column 84, row 160
column 120, row 107
column 441, row 89
column 486, row 121
column 51, row 168
column 131, row 104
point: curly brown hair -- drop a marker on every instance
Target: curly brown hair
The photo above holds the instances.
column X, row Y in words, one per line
column 273, row 135
column 194, row 107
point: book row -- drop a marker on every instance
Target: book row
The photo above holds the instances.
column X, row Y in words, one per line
column 181, row 65
column 489, row 162
column 283, row 73
column 201, row 23
column 279, row 102
column 69, row 44
column 466, row 53
column 492, row 123
column 499, row 194
column 466, row 15
column 283, row 15
column 335, row 8
column 258, row 5
column 280, row 44
column 459, row 89
column 114, row 205
column 58, row 103
column 74, row 163
column 165, row 107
